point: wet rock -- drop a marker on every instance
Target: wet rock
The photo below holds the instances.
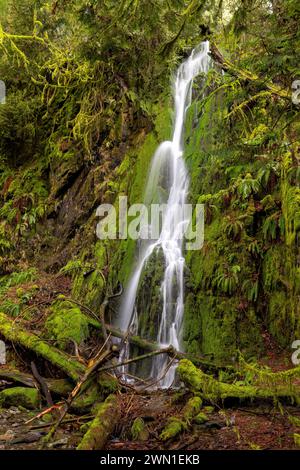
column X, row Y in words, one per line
column 28, row 438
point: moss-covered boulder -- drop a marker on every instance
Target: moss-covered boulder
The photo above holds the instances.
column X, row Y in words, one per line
column 20, row 396
column 174, row 427
column 201, row 418
column 139, row 431
column 66, row 323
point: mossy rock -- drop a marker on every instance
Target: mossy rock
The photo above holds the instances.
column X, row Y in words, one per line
column 192, row 407
column 174, row 427
column 208, row 409
column 29, row 398
column 139, row 431
column 201, row 418
column 297, row 439
column 66, row 324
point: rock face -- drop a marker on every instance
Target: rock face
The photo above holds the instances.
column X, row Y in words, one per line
column 20, row 396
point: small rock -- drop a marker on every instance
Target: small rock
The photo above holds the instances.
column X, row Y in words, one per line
column 8, row 436
column 27, row 438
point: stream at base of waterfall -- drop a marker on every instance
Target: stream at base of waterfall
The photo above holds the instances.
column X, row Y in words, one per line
column 168, row 176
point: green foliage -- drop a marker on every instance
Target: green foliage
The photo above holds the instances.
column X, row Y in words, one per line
column 228, row 280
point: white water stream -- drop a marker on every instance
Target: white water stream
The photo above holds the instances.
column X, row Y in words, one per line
column 168, row 172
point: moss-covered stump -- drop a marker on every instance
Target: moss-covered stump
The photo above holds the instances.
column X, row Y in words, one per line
column 177, row 424
column 20, row 396
column 213, row 390
column 108, row 414
column 15, row 333
column 67, row 324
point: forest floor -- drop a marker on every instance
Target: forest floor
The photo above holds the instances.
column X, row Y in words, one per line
column 257, row 427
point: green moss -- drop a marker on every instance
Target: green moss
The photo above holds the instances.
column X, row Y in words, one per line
column 101, row 426
column 208, row 409
column 192, row 407
column 87, row 399
column 13, row 333
column 201, row 418
column 108, row 384
column 89, row 287
column 174, row 427
column 20, row 396
column 85, row 427
column 139, row 430
column 297, row 439
column 213, row 390
column 66, row 323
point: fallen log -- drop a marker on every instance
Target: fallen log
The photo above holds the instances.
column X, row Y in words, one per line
column 144, row 344
column 102, row 426
column 152, row 346
column 213, row 390
column 14, row 333
column 60, row 387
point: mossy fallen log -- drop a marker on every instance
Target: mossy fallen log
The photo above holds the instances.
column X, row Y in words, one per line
column 16, row 334
column 61, row 387
column 213, row 390
column 102, row 426
column 152, row 346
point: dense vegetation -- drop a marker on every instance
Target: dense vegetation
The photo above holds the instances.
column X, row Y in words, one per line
column 88, row 101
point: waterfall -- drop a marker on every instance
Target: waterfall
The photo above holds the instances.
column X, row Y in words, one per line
column 168, row 175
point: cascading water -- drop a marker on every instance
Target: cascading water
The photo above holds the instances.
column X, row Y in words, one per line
column 168, row 175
